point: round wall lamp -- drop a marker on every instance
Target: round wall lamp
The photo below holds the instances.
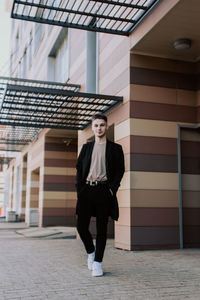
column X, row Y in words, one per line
column 182, row 44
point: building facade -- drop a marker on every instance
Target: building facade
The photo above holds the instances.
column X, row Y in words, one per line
column 1, row 192
column 157, row 125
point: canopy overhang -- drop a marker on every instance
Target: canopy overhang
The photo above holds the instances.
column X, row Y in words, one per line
column 109, row 16
column 40, row 104
column 5, row 160
column 27, row 106
column 14, row 138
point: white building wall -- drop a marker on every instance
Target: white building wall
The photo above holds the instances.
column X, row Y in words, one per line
column 39, row 51
column 2, row 185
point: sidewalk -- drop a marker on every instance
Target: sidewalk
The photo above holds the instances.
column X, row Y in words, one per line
column 49, row 263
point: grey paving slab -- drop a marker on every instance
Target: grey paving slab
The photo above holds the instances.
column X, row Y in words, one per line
column 39, row 268
column 52, row 232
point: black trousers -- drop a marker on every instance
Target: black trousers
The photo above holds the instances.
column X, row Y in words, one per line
column 94, row 201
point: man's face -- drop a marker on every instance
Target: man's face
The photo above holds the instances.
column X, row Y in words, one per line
column 99, row 127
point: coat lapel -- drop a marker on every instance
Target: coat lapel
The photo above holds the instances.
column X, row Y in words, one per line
column 89, row 155
column 90, row 151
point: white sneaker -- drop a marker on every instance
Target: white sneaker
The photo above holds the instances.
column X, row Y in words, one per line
column 97, row 269
column 90, row 260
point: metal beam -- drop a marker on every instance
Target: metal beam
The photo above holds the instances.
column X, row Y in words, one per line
column 64, row 101
column 22, row 124
column 44, row 122
column 36, row 83
column 27, row 116
column 9, row 150
column 122, row 4
column 71, row 11
column 14, row 142
column 50, row 106
column 58, row 92
column 114, row 17
column 33, row 110
column 68, row 25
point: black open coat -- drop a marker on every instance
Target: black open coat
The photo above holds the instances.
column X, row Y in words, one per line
column 114, row 171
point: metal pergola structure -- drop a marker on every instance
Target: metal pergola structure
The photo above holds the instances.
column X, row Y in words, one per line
column 108, row 16
column 15, row 138
column 40, row 104
column 5, row 160
column 27, row 106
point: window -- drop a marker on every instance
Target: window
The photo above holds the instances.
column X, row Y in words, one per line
column 58, row 60
column 61, row 62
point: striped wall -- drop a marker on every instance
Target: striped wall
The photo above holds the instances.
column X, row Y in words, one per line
column 113, row 62
column 59, row 195
column 162, row 95
column 190, row 163
column 34, row 190
column 113, row 74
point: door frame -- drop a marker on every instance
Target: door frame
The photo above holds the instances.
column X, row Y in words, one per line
column 180, row 179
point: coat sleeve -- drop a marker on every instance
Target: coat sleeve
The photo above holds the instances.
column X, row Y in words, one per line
column 119, row 168
column 79, row 168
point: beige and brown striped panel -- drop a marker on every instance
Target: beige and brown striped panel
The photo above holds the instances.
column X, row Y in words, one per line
column 114, row 65
column 34, row 189
column 163, row 95
column 59, row 198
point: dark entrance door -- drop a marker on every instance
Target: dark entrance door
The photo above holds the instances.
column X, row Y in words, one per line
column 190, row 170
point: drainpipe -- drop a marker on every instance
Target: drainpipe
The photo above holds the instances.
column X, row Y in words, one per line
column 97, row 62
column 91, row 68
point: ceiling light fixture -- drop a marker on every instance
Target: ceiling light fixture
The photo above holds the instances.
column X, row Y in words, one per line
column 182, row 44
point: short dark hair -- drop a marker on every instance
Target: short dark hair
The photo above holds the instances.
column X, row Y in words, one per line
column 99, row 116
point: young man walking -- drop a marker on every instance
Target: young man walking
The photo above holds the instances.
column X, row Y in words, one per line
column 100, row 167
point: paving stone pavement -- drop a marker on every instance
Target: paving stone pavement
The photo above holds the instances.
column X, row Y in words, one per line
column 45, row 268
